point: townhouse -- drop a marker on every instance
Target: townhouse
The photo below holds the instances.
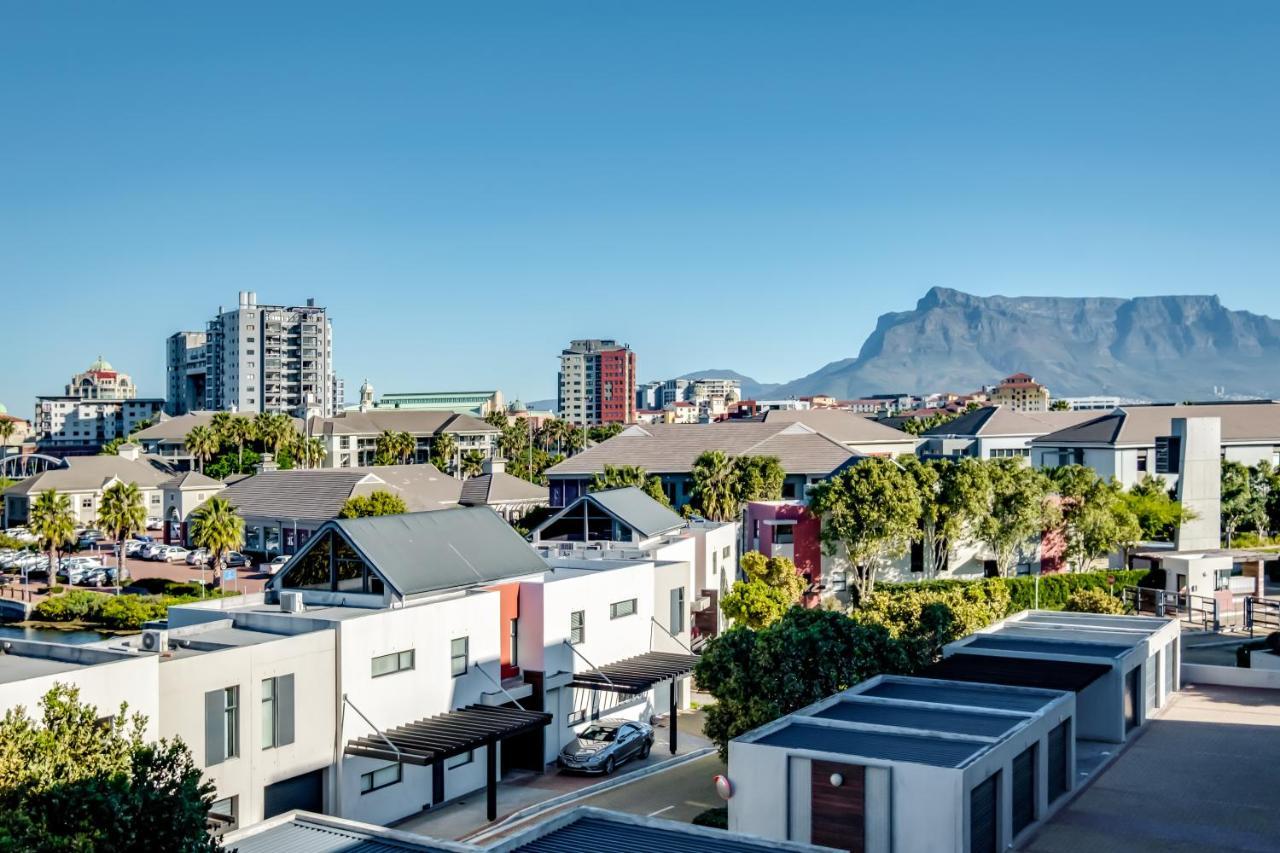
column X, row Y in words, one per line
column 84, row 478
column 995, row 432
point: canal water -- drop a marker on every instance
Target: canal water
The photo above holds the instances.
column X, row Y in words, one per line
column 49, row 635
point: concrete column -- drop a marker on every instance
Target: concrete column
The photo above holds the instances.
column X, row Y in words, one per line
column 1200, row 482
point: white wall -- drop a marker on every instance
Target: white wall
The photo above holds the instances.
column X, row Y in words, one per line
column 131, row 680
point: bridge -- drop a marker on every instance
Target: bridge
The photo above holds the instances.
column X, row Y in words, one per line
column 21, row 466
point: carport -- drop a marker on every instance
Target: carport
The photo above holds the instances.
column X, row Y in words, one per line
column 434, row 740
column 636, row 675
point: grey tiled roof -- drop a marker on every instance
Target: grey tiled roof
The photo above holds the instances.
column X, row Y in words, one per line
column 672, row 448
column 1140, row 425
column 176, row 429
column 843, row 426
column 992, row 421
column 191, row 480
column 90, row 473
column 318, row 495
column 415, row 422
column 500, row 487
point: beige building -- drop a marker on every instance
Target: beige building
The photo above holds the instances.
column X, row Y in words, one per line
column 84, row 479
column 1021, row 393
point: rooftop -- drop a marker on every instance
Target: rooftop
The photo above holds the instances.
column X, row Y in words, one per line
column 1140, row 425
column 412, row 421
column 90, row 473
column 997, row 421
column 844, row 426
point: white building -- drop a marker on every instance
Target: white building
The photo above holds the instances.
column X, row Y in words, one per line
column 100, row 404
column 84, row 478
column 995, row 432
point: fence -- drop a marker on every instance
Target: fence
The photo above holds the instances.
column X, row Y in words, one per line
column 1251, row 613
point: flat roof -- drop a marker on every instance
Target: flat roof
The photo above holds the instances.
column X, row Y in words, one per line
column 1042, row 673
column 891, row 746
column 999, row 641
column 20, row 667
column 939, row 692
column 590, row 829
column 930, row 718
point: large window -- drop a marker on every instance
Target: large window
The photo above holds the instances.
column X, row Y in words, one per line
column 577, row 627
column 226, row 812
column 784, row 534
column 381, row 778
column 277, row 711
column 677, row 610
column 221, row 725
column 328, row 564
column 619, row 609
column 394, row 662
column 458, row 650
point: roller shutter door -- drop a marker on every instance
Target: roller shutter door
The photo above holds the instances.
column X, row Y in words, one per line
column 1058, row 753
column 1024, row 789
column 1152, row 683
column 983, row 816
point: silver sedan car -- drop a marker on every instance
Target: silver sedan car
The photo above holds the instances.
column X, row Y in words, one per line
column 605, row 744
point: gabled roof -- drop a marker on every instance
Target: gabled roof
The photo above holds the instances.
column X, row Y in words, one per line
column 412, row 421
column 672, row 448
column 176, row 428
column 191, row 480
column 1140, row 425
column 843, row 426
column 996, row 421
column 432, row 551
column 629, row 505
column 500, row 487
column 90, row 473
column 318, row 494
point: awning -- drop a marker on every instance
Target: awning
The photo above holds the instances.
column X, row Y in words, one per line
column 1072, row 676
column 446, row 735
column 636, row 674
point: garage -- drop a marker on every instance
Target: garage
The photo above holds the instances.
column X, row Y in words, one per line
column 304, row 792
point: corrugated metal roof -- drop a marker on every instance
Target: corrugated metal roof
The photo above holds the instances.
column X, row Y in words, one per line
column 1049, row 646
column 915, row 717
column 594, row 832
column 954, row 694
column 637, row 510
column 429, row 551
column 890, row 746
column 301, row 836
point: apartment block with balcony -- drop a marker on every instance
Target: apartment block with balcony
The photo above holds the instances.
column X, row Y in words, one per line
column 597, row 382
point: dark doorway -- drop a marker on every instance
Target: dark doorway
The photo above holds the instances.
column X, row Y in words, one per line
column 304, row 793
column 982, row 816
column 1131, row 699
column 525, row 751
column 837, row 812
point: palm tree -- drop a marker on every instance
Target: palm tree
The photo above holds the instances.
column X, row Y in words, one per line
column 216, row 527
column 202, row 443
column 472, row 464
column 407, row 445
column 311, row 451
column 443, row 448
column 273, row 430
column 122, row 513
column 222, row 425
column 715, row 486
column 51, row 520
column 239, row 431
column 7, row 426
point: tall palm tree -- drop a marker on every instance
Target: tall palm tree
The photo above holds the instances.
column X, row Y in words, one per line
column 222, row 425
column 120, row 514
column 408, row 446
column 239, row 431
column 273, row 430
column 715, row 482
column 443, row 448
column 7, row 426
column 202, row 443
column 54, row 525
column 312, row 452
column 216, row 527
column 472, row 464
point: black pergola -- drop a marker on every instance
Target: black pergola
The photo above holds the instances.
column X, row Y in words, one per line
column 433, row 740
column 637, row 675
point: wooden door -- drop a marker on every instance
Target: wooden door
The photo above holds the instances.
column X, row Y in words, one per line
column 838, row 812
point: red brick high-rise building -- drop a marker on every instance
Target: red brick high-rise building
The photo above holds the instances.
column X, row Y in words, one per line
column 597, row 383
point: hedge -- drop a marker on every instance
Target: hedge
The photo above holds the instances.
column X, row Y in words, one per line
column 1055, row 589
column 119, row 613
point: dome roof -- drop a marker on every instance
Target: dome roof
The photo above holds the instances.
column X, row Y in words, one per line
column 101, row 364
column 517, row 407
column 3, row 410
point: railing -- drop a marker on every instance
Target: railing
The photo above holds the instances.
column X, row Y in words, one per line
column 1261, row 613
column 1195, row 609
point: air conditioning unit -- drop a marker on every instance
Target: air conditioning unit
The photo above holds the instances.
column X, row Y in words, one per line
column 291, row 602
column 155, row 640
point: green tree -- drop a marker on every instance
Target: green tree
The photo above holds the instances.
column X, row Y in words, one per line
column 1158, row 514
column 444, row 447
column 121, row 514
column 238, row 431
column 273, row 430
column 926, row 618
column 7, row 428
column 952, row 503
column 52, row 522
column 807, row 655
column 871, row 511
column 472, row 464
column 1096, row 520
column 769, row 589
column 379, row 502
column 1059, row 406
column 622, row 476
column 1242, row 506
column 760, row 478
column 73, row 780
column 1016, row 509
column 715, row 486
column 604, row 432
column 216, row 527
column 1093, row 601
column 202, row 444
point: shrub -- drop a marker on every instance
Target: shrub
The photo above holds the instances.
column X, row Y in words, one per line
column 1055, row 589
column 1093, row 601
column 154, row 586
column 927, row 619
column 716, row 818
column 124, row 612
column 77, row 605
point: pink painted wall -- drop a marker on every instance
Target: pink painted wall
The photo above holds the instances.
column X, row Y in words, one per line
column 807, row 547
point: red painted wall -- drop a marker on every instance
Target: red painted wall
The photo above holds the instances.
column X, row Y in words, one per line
column 509, row 609
column 616, row 386
column 807, row 545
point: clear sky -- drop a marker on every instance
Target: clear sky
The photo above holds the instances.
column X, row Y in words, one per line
column 745, row 185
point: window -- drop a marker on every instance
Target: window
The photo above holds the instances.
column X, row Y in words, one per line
column 724, row 553
column 1142, row 460
column 461, row 760
column 221, row 725
column 277, row 711
column 784, row 534
column 86, row 503
column 458, row 656
column 577, row 627
column 619, row 609
column 576, row 717
column 226, row 813
column 381, row 778
column 677, row 610
column 514, row 641
column 394, row 662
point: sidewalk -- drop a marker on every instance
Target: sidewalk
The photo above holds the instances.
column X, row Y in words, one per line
column 522, row 789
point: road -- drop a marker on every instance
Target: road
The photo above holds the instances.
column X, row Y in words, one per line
column 680, row 793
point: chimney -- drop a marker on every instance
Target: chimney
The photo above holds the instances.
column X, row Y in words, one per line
column 268, row 463
column 129, row 451
column 493, row 466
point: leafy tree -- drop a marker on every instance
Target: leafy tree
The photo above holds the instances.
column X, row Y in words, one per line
column 770, row 588
column 871, row 510
column 1096, row 520
column 1157, row 513
column 312, row 452
column 715, row 486
column 760, row 478
column 379, row 502
column 1242, row 506
column 926, row 618
column 53, row 524
column 216, row 527
column 202, row 444
column 622, row 476
column 951, row 504
column 472, row 464
column 122, row 513
column 604, row 432
column 71, row 780
column 443, row 448
column 1093, row 601
column 233, row 462
column 1059, row 406
column 1016, row 509
column 807, row 655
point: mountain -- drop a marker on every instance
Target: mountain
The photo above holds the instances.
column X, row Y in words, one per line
column 751, row 389
column 1157, row 348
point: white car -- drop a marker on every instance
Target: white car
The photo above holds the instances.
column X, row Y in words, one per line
column 152, row 550
column 154, row 523
column 175, row 554
column 198, row 557
column 275, row 565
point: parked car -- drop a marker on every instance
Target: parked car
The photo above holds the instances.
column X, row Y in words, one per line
column 605, row 745
column 132, row 547
column 234, row 560
column 275, row 565
column 174, row 554
column 154, row 523
column 152, row 550
column 198, row 557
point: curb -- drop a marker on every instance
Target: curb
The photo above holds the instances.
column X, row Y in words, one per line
column 589, row 791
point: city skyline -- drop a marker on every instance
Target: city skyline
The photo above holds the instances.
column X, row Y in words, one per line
column 460, row 176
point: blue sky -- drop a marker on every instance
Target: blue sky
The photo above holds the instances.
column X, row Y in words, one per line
column 722, row 184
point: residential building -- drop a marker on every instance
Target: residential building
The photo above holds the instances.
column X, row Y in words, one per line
column 475, row 403
column 257, row 358
column 84, row 478
column 167, row 438
column 995, row 432
column 1022, row 393
column 859, row 434
column 649, row 396
column 100, row 404
column 668, row 451
column 674, row 391
column 597, row 383
column 1133, row 442
column 14, row 442
column 1096, row 403
column 680, row 412
column 186, row 369
column 351, row 437
column 509, row 496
